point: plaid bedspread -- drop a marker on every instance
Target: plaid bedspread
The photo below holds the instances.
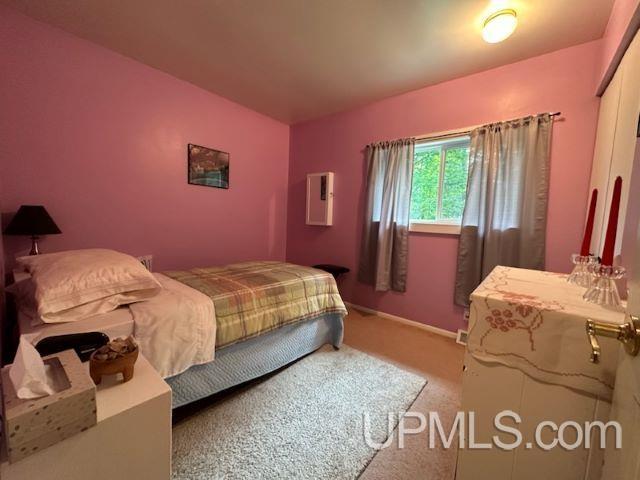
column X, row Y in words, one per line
column 252, row 298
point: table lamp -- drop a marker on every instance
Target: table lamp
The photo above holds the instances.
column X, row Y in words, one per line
column 34, row 221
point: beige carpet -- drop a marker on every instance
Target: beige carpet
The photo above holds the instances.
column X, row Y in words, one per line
column 304, row 423
column 429, row 355
column 435, row 357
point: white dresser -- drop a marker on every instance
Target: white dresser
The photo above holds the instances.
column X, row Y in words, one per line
column 132, row 439
column 528, row 352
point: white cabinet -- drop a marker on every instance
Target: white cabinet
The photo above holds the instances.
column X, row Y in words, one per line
column 320, row 199
column 489, row 389
column 528, row 353
column 616, row 143
column 603, row 151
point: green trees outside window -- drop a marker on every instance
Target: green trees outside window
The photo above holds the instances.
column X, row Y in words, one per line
column 439, row 184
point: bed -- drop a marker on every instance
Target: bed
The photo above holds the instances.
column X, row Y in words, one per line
column 210, row 329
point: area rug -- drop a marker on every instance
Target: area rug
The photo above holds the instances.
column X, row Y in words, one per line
column 306, row 422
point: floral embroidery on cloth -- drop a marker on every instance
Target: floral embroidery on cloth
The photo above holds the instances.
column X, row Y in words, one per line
column 525, row 312
column 534, row 321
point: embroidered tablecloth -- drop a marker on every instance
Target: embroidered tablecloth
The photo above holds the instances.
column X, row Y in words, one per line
column 535, row 321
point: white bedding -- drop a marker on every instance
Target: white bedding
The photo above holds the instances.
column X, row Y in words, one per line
column 176, row 328
column 73, row 285
column 118, row 323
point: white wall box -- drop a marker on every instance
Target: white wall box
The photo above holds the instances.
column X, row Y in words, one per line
column 320, row 199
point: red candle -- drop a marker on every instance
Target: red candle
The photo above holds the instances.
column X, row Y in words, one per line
column 612, row 227
column 586, row 240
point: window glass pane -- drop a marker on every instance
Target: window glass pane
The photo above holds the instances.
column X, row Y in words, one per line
column 426, row 179
column 454, row 184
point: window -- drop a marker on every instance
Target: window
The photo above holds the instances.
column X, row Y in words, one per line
column 439, row 188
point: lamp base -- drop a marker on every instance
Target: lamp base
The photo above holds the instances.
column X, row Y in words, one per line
column 34, row 246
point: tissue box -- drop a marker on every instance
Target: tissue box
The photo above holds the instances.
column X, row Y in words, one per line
column 35, row 424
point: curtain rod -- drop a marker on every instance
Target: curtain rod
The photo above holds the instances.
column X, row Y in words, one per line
column 467, row 131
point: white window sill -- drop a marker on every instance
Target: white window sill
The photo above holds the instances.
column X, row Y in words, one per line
column 430, row 227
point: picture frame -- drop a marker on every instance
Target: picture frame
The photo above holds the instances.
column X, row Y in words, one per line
column 207, row 167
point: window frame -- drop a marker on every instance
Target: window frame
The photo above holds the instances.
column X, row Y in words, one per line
column 440, row 226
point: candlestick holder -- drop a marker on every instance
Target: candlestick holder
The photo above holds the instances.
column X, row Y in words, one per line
column 603, row 289
column 580, row 275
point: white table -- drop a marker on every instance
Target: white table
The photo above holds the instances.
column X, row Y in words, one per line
column 528, row 352
column 132, row 439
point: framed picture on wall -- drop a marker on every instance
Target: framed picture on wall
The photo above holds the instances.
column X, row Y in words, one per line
column 207, row 166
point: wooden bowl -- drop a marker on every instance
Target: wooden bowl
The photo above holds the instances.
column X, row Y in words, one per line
column 123, row 364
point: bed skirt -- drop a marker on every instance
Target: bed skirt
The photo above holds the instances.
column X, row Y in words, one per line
column 253, row 358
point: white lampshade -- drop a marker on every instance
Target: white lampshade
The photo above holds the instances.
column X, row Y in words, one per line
column 499, row 26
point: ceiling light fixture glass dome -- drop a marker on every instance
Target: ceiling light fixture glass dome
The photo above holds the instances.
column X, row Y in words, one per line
column 499, row 26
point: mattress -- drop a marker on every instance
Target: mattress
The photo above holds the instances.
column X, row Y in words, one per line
column 118, row 323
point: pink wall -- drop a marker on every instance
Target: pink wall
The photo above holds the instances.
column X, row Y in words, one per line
column 101, row 141
column 621, row 14
column 564, row 80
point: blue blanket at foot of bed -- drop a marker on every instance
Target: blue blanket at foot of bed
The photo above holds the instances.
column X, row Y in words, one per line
column 255, row 357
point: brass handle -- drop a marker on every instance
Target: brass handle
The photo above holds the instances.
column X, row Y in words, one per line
column 628, row 334
column 595, row 346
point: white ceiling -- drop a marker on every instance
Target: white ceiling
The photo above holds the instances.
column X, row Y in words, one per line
column 296, row 60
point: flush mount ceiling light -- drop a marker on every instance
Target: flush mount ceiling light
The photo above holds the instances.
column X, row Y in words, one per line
column 499, row 26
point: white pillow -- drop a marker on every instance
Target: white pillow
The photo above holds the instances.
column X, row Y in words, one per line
column 78, row 284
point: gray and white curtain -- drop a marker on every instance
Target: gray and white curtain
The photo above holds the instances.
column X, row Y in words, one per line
column 505, row 215
column 385, row 236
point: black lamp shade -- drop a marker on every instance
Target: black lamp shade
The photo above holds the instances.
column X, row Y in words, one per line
column 32, row 220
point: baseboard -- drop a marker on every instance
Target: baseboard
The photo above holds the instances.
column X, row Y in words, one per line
column 413, row 323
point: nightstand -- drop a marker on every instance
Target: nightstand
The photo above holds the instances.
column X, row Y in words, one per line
column 132, row 439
